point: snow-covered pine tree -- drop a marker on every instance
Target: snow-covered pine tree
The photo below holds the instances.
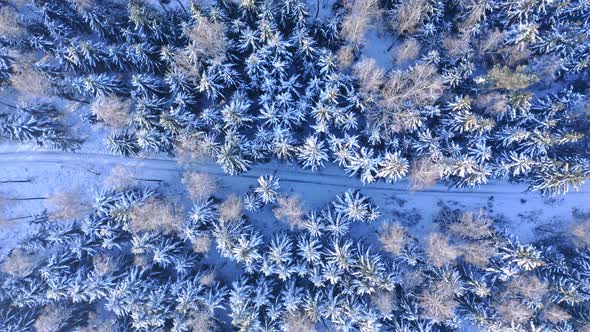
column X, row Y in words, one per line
column 38, row 124
column 267, row 189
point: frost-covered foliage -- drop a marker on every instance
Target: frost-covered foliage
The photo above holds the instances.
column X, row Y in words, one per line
column 471, row 273
column 113, row 270
column 102, row 272
column 484, row 89
column 37, row 124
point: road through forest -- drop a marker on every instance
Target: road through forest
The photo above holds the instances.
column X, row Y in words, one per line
column 330, row 176
column 28, row 176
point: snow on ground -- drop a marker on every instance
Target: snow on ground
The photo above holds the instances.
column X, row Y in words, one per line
column 527, row 215
column 320, row 8
column 39, row 172
column 377, row 42
column 29, row 174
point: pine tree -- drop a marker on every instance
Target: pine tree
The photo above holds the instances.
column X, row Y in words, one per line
column 39, row 125
column 335, row 223
column 235, row 113
column 252, row 201
column 6, row 62
column 392, row 167
column 280, row 249
column 98, row 85
column 231, row 157
column 340, row 254
column 245, row 249
column 146, row 85
column 313, row 224
column 154, row 140
column 124, row 144
column 312, row 154
column 558, row 178
column 267, row 188
column 353, row 206
column 292, row 296
column 523, row 257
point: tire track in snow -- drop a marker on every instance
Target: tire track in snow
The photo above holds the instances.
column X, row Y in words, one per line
column 331, row 176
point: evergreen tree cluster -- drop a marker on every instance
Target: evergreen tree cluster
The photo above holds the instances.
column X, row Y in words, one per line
column 246, row 81
column 38, row 124
column 115, row 270
column 148, row 280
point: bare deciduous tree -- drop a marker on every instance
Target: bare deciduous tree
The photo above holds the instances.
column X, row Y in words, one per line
column 155, row 214
column 201, row 244
column 437, row 304
column 556, row 314
column 121, row 177
column 439, row 251
column 19, row 263
column 518, row 54
column 472, row 225
column 581, row 234
column 84, row 4
column 200, row 186
column 420, row 85
column 67, row 205
column 369, row 75
column 208, row 279
column 424, row 173
column 404, row 120
column 49, row 319
column 408, row 16
column 183, row 63
column 9, row 24
column 298, row 322
column 207, row 39
column 506, row 79
column 384, row 301
column 478, row 253
column 345, row 56
column 140, row 260
column 112, row 110
column 528, row 287
column 492, row 102
column 201, row 320
column 4, row 220
column 102, row 265
column 193, row 146
column 491, row 43
column 28, row 81
column 357, row 21
column 456, row 46
column 290, row 210
column 472, row 11
column 547, row 67
column 407, row 51
column 514, row 311
column 231, row 209
column 97, row 323
column 393, row 237
column 401, row 94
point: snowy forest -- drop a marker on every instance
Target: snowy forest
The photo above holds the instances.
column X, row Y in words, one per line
column 331, row 165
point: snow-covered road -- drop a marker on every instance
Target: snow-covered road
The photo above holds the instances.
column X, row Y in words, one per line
column 48, row 171
column 330, row 176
